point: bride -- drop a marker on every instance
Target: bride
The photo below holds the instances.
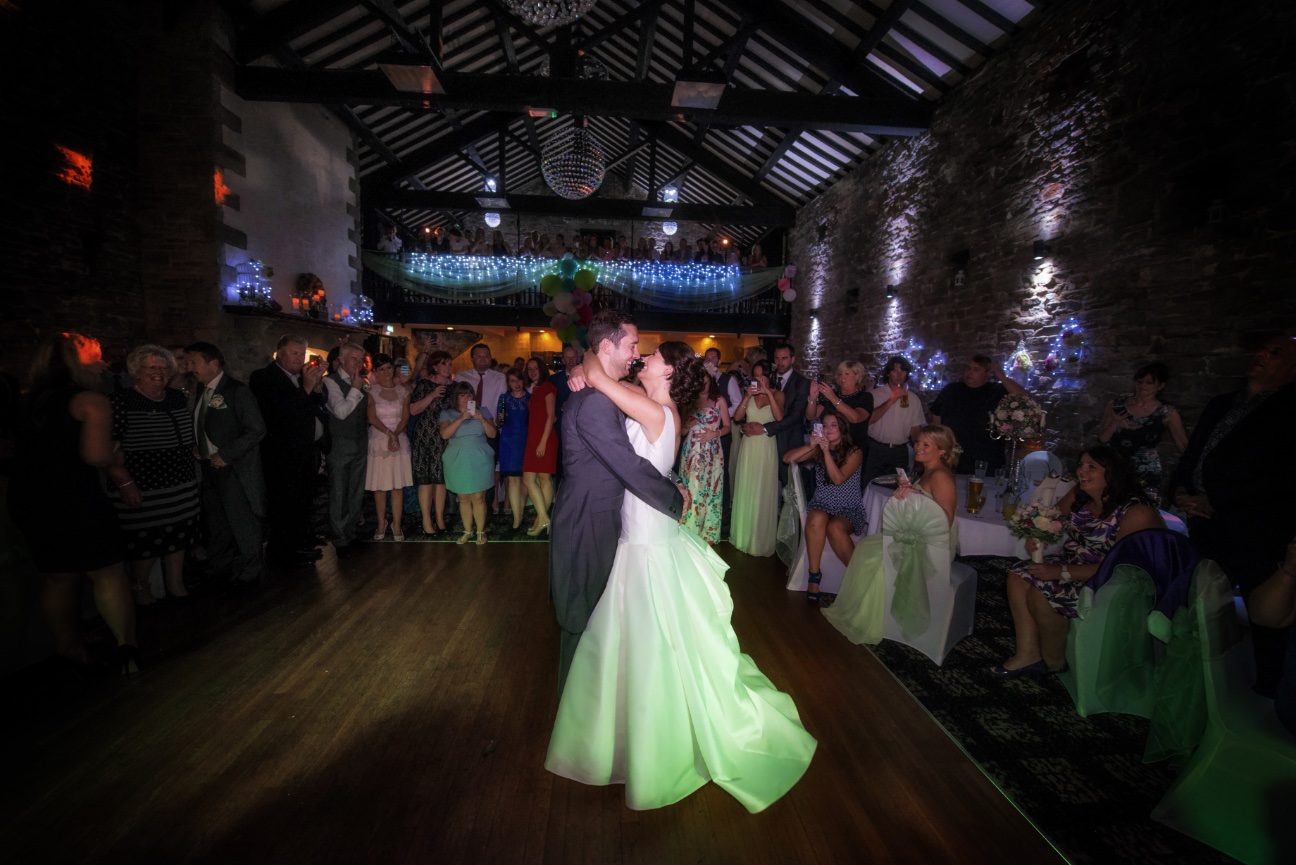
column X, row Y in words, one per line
column 659, row 697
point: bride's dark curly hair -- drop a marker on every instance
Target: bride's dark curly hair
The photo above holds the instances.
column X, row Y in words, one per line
column 688, row 377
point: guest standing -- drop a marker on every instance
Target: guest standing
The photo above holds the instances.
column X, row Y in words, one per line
column 702, row 462
column 849, row 399
column 389, row 469
column 1135, row 425
column 348, row 457
column 155, row 491
column 430, row 398
column 63, row 441
column 896, row 421
column 183, row 379
column 291, row 398
column 469, row 459
column 756, row 478
column 511, row 417
column 788, row 430
column 540, row 461
column 229, row 429
column 965, row 406
column 1227, row 482
column 571, row 358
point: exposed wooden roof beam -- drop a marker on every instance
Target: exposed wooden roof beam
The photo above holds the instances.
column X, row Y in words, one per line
column 410, row 41
column 284, row 23
column 441, row 148
column 639, row 100
column 605, row 32
column 881, row 27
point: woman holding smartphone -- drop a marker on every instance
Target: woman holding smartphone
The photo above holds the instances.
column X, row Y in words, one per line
column 755, row 500
column 836, row 510
column 469, row 460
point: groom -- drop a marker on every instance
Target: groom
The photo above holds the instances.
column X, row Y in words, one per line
column 599, row 466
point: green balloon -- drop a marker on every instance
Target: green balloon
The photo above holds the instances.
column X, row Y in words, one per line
column 551, row 284
column 567, row 334
column 585, row 279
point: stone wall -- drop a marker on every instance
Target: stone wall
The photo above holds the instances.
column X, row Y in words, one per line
column 1147, row 143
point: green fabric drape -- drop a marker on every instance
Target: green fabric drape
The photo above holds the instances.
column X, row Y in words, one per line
column 670, row 286
column 1126, row 658
column 919, row 533
column 787, row 537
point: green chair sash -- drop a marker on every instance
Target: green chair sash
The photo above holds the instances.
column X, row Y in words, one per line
column 914, row 525
column 1126, row 658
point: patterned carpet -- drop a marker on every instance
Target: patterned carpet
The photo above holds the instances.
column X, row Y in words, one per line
column 1082, row 781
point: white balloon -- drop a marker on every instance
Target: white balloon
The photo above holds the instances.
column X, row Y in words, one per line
column 789, row 295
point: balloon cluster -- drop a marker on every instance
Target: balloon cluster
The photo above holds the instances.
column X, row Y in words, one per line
column 571, row 306
column 785, row 283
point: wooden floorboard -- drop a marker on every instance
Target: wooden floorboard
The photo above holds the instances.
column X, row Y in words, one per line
column 396, row 706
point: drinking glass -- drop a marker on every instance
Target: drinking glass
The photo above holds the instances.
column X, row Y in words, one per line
column 980, row 467
column 976, row 494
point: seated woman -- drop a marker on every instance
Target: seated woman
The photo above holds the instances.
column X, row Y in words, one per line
column 1106, row 505
column 850, row 399
column 859, row 612
column 835, row 511
column 1135, row 425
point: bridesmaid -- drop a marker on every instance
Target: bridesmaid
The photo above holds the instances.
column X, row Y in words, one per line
column 702, row 462
column 511, row 417
column 389, row 452
column 469, row 460
column 540, row 461
column 429, row 399
column 755, row 499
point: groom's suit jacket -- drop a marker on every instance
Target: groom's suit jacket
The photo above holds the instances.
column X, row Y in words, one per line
column 236, row 429
column 599, row 466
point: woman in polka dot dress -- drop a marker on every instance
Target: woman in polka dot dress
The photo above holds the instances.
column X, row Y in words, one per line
column 156, row 491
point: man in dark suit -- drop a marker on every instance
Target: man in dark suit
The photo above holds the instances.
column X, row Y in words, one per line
column 599, row 466
column 1233, row 482
column 789, row 432
column 293, row 403
column 228, row 430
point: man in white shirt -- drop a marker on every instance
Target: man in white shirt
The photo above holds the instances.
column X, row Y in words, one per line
column 348, row 457
column 897, row 417
column 390, row 242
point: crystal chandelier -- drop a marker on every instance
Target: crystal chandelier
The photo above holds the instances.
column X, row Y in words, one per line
column 572, row 163
column 492, row 219
column 549, row 13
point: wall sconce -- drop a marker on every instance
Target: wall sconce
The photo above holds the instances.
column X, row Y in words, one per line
column 814, row 313
column 1039, row 249
column 959, row 279
column 891, row 291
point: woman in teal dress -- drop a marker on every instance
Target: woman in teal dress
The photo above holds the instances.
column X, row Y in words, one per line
column 469, row 460
column 859, row 611
column 755, row 498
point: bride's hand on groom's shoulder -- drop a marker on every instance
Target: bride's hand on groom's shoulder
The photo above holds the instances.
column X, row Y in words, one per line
column 576, row 380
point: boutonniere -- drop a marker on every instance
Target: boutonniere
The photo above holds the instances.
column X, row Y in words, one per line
column 217, row 401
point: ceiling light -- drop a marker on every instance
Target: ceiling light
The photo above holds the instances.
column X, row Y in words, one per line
column 670, row 228
column 492, row 219
column 549, row 13
column 670, row 194
column 491, row 184
column 412, row 78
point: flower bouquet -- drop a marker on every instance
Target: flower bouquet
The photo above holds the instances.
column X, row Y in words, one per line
column 1039, row 521
column 1018, row 417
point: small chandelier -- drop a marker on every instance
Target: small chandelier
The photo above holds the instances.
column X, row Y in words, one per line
column 572, row 163
column 492, row 219
column 549, row 13
column 670, row 228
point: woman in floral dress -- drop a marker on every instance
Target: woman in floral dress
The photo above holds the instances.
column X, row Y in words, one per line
column 431, row 397
column 702, row 462
column 1135, row 425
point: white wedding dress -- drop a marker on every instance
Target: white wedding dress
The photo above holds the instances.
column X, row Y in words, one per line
column 659, row 697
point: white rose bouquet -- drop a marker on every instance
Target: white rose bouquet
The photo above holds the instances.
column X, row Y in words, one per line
column 1041, row 522
column 1017, row 417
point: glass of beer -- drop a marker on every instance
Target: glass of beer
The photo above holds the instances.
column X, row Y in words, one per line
column 976, row 494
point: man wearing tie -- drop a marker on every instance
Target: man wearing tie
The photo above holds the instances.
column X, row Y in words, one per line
column 790, row 431
column 228, row 429
column 291, row 397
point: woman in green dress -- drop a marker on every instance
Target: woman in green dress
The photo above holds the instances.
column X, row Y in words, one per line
column 469, row 460
column 755, row 499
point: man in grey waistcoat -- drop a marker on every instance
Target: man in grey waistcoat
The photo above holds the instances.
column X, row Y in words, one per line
column 228, row 432
column 348, row 457
column 599, row 465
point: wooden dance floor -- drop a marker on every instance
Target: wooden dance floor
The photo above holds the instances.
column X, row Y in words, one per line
column 397, row 709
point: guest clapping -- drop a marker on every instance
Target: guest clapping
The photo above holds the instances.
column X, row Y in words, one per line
column 896, row 421
column 431, row 397
column 389, row 467
column 512, row 424
column 835, row 511
column 1106, row 505
column 469, row 459
column 756, row 476
column 540, row 462
column 156, row 487
column 1135, row 425
column 64, row 440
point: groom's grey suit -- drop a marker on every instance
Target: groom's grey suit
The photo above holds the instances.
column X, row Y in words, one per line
column 599, row 465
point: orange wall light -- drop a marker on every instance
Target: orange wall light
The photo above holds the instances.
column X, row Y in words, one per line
column 77, row 169
column 222, row 191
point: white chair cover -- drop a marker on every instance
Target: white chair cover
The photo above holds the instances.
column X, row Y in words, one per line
column 832, row 568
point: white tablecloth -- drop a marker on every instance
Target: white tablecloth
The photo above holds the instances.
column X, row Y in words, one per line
column 980, row 534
